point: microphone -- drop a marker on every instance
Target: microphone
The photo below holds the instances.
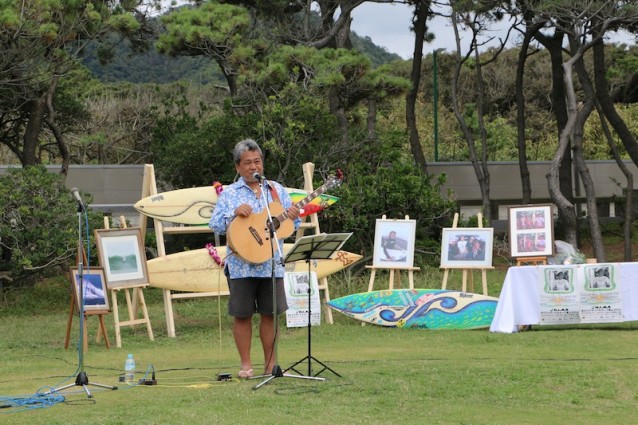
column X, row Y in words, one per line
column 78, row 198
column 258, row 177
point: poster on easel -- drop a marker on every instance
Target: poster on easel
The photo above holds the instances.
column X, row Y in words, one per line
column 394, row 243
column 531, row 231
column 297, row 285
column 467, row 247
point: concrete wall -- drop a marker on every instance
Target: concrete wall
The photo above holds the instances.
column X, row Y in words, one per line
column 114, row 188
column 505, row 184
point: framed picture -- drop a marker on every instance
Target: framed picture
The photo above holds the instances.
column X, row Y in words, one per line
column 394, row 243
column 122, row 256
column 466, row 248
column 93, row 289
column 531, row 230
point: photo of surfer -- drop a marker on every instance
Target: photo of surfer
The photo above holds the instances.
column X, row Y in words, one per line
column 394, row 248
column 394, row 243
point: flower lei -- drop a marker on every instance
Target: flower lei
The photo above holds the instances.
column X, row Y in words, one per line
column 218, row 188
column 213, row 253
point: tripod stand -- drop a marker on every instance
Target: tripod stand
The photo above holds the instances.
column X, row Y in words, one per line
column 308, row 248
column 81, row 379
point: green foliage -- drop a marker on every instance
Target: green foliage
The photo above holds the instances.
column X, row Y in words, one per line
column 188, row 154
column 383, row 180
column 211, row 29
column 38, row 226
column 296, row 127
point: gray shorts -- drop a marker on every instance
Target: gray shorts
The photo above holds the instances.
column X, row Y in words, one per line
column 254, row 295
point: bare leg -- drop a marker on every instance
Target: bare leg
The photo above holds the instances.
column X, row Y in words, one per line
column 243, row 331
column 267, row 336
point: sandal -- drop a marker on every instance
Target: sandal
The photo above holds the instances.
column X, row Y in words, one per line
column 245, row 374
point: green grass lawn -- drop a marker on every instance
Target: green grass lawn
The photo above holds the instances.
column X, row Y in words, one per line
column 550, row 375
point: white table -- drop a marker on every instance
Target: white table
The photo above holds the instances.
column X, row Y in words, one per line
column 519, row 302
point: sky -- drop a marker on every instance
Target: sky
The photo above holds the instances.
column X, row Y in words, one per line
column 388, row 25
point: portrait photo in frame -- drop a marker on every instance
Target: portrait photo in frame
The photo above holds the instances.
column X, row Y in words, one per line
column 466, row 248
column 94, row 295
column 394, row 243
column 122, row 256
column 531, row 230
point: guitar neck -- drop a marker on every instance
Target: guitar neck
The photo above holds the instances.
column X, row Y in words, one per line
column 305, row 201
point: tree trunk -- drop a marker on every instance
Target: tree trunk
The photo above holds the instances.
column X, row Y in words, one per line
column 577, row 139
column 478, row 170
column 520, row 115
column 485, row 182
column 565, row 206
column 419, row 20
column 55, row 129
column 554, row 46
column 607, row 105
column 607, row 110
column 629, row 190
column 33, row 130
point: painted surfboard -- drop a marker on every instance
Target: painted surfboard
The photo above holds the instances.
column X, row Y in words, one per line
column 196, row 271
column 194, row 206
column 419, row 308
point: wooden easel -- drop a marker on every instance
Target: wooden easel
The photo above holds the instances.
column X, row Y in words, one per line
column 531, row 261
column 467, row 271
column 312, row 222
column 395, row 273
column 99, row 313
column 134, row 297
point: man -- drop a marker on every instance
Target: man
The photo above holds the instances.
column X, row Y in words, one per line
column 389, row 244
column 250, row 284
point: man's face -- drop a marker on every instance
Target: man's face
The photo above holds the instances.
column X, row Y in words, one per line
column 249, row 164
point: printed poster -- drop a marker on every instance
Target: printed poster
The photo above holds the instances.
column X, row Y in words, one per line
column 297, row 285
column 600, row 299
column 580, row 294
column 558, row 296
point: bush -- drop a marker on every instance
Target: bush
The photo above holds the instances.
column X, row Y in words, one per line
column 39, row 224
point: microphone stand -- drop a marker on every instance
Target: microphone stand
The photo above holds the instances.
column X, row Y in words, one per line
column 276, row 372
column 81, row 379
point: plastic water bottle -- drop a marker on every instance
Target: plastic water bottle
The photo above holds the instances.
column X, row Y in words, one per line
column 129, row 369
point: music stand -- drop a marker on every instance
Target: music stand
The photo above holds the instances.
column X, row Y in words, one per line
column 276, row 372
column 315, row 247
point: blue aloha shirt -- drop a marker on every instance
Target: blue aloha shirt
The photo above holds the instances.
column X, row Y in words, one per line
column 234, row 195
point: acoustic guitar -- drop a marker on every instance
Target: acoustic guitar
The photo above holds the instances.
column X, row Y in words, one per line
column 249, row 237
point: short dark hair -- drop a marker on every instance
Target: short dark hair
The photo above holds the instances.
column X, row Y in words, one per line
column 245, row 146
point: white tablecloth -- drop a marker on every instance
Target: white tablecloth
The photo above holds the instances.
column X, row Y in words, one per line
column 519, row 302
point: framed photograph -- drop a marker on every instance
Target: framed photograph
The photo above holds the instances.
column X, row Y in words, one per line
column 93, row 289
column 394, row 243
column 531, row 230
column 122, row 256
column 466, row 248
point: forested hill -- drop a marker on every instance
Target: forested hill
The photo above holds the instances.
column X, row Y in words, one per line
column 153, row 67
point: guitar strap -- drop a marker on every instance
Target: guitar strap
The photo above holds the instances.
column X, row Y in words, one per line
column 273, row 193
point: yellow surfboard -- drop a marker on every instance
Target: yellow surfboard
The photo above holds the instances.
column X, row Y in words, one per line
column 196, row 271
